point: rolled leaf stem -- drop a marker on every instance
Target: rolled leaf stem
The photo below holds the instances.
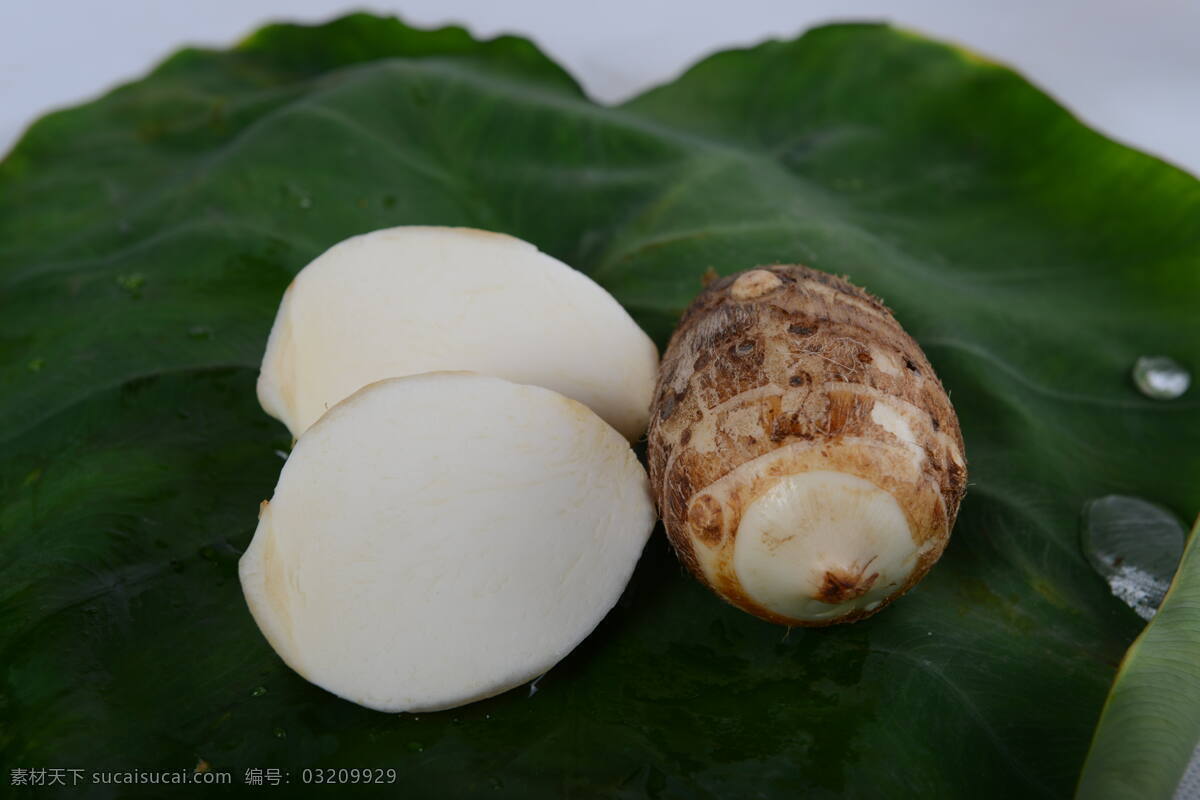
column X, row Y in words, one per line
column 1150, row 724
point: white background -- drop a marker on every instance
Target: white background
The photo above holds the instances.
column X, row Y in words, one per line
column 1129, row 67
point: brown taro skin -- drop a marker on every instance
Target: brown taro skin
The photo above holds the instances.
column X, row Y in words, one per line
column 783, row 366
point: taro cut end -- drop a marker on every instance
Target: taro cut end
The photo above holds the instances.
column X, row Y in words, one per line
column 823, row 545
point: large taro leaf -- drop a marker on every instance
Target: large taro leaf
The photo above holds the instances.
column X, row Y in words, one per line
column 146, row 238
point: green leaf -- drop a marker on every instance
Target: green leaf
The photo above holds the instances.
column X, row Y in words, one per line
column 145, row 241
column 1150, row 726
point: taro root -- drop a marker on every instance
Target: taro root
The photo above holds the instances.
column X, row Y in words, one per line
column 440, row 538
column 403, row 301
column 806, row 461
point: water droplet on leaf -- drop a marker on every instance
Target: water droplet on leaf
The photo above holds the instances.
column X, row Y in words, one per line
column 280, row 733
column 297, row 194
column 258, row 691
column 1161, row 378
column 1135, row 545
